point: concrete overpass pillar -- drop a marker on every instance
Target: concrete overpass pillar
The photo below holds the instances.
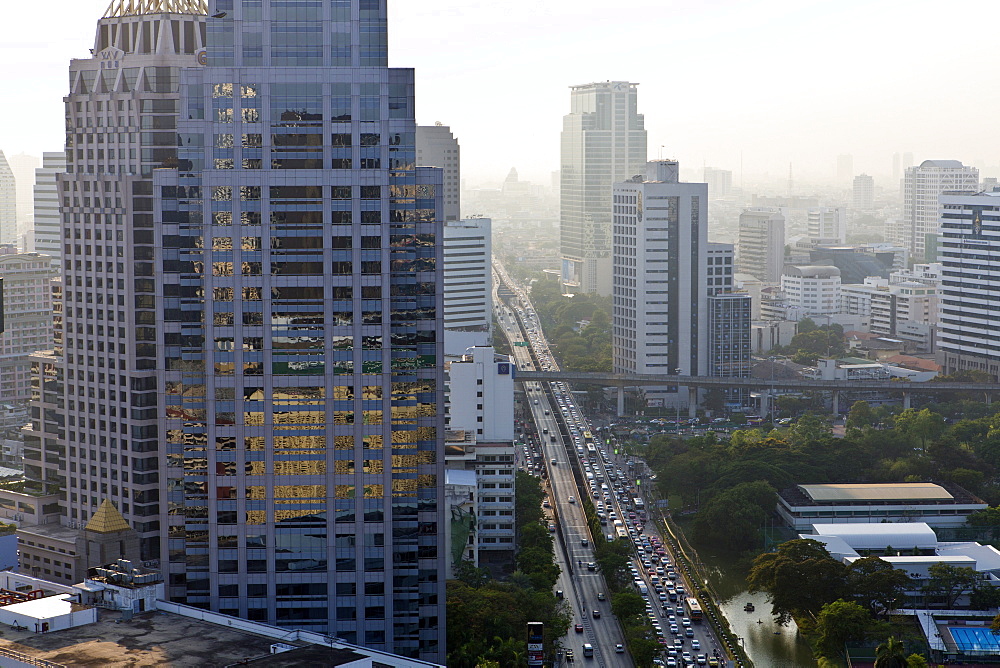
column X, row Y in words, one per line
column 906, row 400
column 989, row 398
column 836, row 403
column 621, row 401
column 692, row 402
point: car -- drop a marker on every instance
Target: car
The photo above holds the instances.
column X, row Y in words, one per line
column 601, row 596
column 597, row 614
column 674, row 629
column 578, row 628
column 554, row 462
column 591, row 566
column 701, row 659
column 685, row 622
column 689, row 633
column 552, row 527
column 559, row 594
column 546, row 504
column 569, row 656
column 696, row 644
column 619, row 648
column 572, row 499
column 671, row 662
column 686, row 656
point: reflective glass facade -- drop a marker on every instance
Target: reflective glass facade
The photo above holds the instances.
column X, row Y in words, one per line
column 299, row 354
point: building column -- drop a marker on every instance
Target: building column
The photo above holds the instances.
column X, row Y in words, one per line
column 621, row 401
column 836, row 403
column 906, row 400
column 692, row 402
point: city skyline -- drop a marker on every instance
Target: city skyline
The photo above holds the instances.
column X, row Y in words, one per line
column 754, row 97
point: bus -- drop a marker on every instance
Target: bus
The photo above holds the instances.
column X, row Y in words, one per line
column 591, row 452
column 638, row 503
column 694, row 609
column 622, row 533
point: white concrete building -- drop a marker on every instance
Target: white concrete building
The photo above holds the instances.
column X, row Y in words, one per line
column 468, row 285
column 8, row 203
column 482, row 395
column 811, row 289
column 864, row 193
column 926, row 274
column 761, row 244
column 968, row 337
column 922, row 186
column 720, row 182
column 827, row 224
column 46, row 238
column 438, row 147
column 939, row 505
column 660, row 316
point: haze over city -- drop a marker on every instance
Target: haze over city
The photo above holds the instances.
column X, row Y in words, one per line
column 775, row 82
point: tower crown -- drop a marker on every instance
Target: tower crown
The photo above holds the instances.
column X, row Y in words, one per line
column 119, row 8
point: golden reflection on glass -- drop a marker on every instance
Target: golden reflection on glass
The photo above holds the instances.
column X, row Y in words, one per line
column 373, row 442
column 343, row 442
column 256, row 468
column 343, row 467
column 256, row 517
column 344, row 492
column 374, row 491
column 371, row 392
column 374, row 466
column 256, row 493
column 254, row 442
column 372, row 417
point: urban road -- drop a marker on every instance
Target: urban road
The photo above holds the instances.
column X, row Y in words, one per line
column 550, row 410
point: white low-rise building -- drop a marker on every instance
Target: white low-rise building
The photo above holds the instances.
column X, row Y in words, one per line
column 939, row 505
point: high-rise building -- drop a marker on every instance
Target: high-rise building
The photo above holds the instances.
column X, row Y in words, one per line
column 761, row 244
column 468, row 285
column 827, row 224
column 603, row 142
column 968, row 338
column 729, row 318
column 300, row 351
column 660, row 317
column 917, row 230
column 720, row 182
column 27, row 286
column 845, row 167
column 47, row 236
column 438, row 147
column 8, row 203
column 24, row 166
column 864, row 193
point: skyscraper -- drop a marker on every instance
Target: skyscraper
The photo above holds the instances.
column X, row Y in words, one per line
column 660, row 318
column 923, row 184
column 468, row 285
column 438, row 147
column 8, row 203
column 603, row 143
column 761, row 245
column 23, row 166
column 301, row 345
column 27, row 283
column 970, row 256
column 47, row 233
column 98, row 434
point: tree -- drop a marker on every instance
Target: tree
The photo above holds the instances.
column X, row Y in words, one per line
column 916, row 661
column 877, row 585
column 733, row 519
column 627, row 605
column 861, row 416
column 840, row 622
column 922, row 425
column 799, row 578
column 951, row 582
column 890, row 654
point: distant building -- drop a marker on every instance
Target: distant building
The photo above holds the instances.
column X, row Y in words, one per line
column 603, row 142
column 918, row 228
column 827, row 224
column 864, row 193
column 468, row 285
column 8, row 203
column 438, row 147
column 968, row 337
column 24, row 166
column 729, row 319
column 720, row 182
column 47, row 238
column 761, row 244
column 27, row 284
column 845, row 167
column 939, row 505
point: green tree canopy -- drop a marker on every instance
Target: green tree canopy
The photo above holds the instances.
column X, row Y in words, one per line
column 840, row 622
column 890, row 654
column 877, row 585
column 951, row 582
column 800, row 578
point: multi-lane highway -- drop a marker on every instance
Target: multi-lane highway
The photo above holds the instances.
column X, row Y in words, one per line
column 564, row 433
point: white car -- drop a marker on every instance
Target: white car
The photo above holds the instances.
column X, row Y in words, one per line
column 572, row 499
column 696, row 644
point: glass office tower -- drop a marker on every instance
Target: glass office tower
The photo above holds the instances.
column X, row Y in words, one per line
column 299, row 343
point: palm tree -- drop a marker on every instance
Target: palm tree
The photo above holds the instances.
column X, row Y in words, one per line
column 890, row 654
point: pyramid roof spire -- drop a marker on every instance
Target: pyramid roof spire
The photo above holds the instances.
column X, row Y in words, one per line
column 107, row 519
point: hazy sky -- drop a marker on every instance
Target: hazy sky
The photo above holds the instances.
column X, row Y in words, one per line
column 777, row 81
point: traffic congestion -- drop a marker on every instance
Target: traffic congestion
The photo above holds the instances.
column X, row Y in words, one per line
column 608, row 478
